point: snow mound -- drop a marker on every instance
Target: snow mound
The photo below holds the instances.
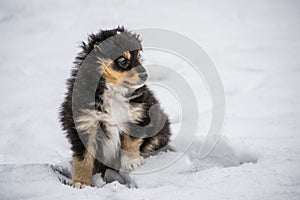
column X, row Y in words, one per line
column 43, row 180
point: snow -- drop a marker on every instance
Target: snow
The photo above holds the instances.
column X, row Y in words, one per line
column 255, row 46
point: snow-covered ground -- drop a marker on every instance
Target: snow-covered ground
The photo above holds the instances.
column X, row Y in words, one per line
column 255, row 46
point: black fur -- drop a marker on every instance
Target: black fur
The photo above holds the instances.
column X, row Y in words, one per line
column 146, row 97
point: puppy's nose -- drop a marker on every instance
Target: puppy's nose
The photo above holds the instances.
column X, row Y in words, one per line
column 142, row 72
column 143, row 76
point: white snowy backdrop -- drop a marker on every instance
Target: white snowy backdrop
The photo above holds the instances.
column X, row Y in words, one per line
column 255, row 46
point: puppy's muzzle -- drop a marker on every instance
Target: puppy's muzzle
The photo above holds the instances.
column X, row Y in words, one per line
column 142, row 73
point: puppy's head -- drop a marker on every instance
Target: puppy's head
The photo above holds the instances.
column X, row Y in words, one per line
column 126, row 71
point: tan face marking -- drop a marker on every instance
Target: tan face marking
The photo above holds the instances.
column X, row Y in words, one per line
column 118, row 78
column 113, row 76
column 127, row 55
column 132, row 77
column 121, row 78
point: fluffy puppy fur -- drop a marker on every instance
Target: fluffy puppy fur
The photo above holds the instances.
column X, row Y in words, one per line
column 116, row 132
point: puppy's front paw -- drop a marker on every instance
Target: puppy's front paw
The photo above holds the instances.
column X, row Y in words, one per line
column 78, row 185
column 129, row 163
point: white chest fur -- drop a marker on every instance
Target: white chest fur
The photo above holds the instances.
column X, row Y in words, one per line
column 115, row 109
column 115, row 115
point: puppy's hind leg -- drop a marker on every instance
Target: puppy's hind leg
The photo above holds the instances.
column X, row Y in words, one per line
column 83, row 166
column 82, row 171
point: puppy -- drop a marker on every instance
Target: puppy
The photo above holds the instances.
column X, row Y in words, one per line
column 125, row 123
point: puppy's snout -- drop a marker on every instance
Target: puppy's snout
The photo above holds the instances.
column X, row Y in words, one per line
column 143, row 76
column 142, row 73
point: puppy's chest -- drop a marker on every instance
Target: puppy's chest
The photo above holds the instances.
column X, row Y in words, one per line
column 117, row 111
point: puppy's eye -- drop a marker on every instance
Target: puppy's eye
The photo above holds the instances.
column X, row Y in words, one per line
column 123, row 62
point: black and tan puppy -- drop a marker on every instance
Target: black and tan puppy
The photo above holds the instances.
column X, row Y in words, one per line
column 119, row 127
